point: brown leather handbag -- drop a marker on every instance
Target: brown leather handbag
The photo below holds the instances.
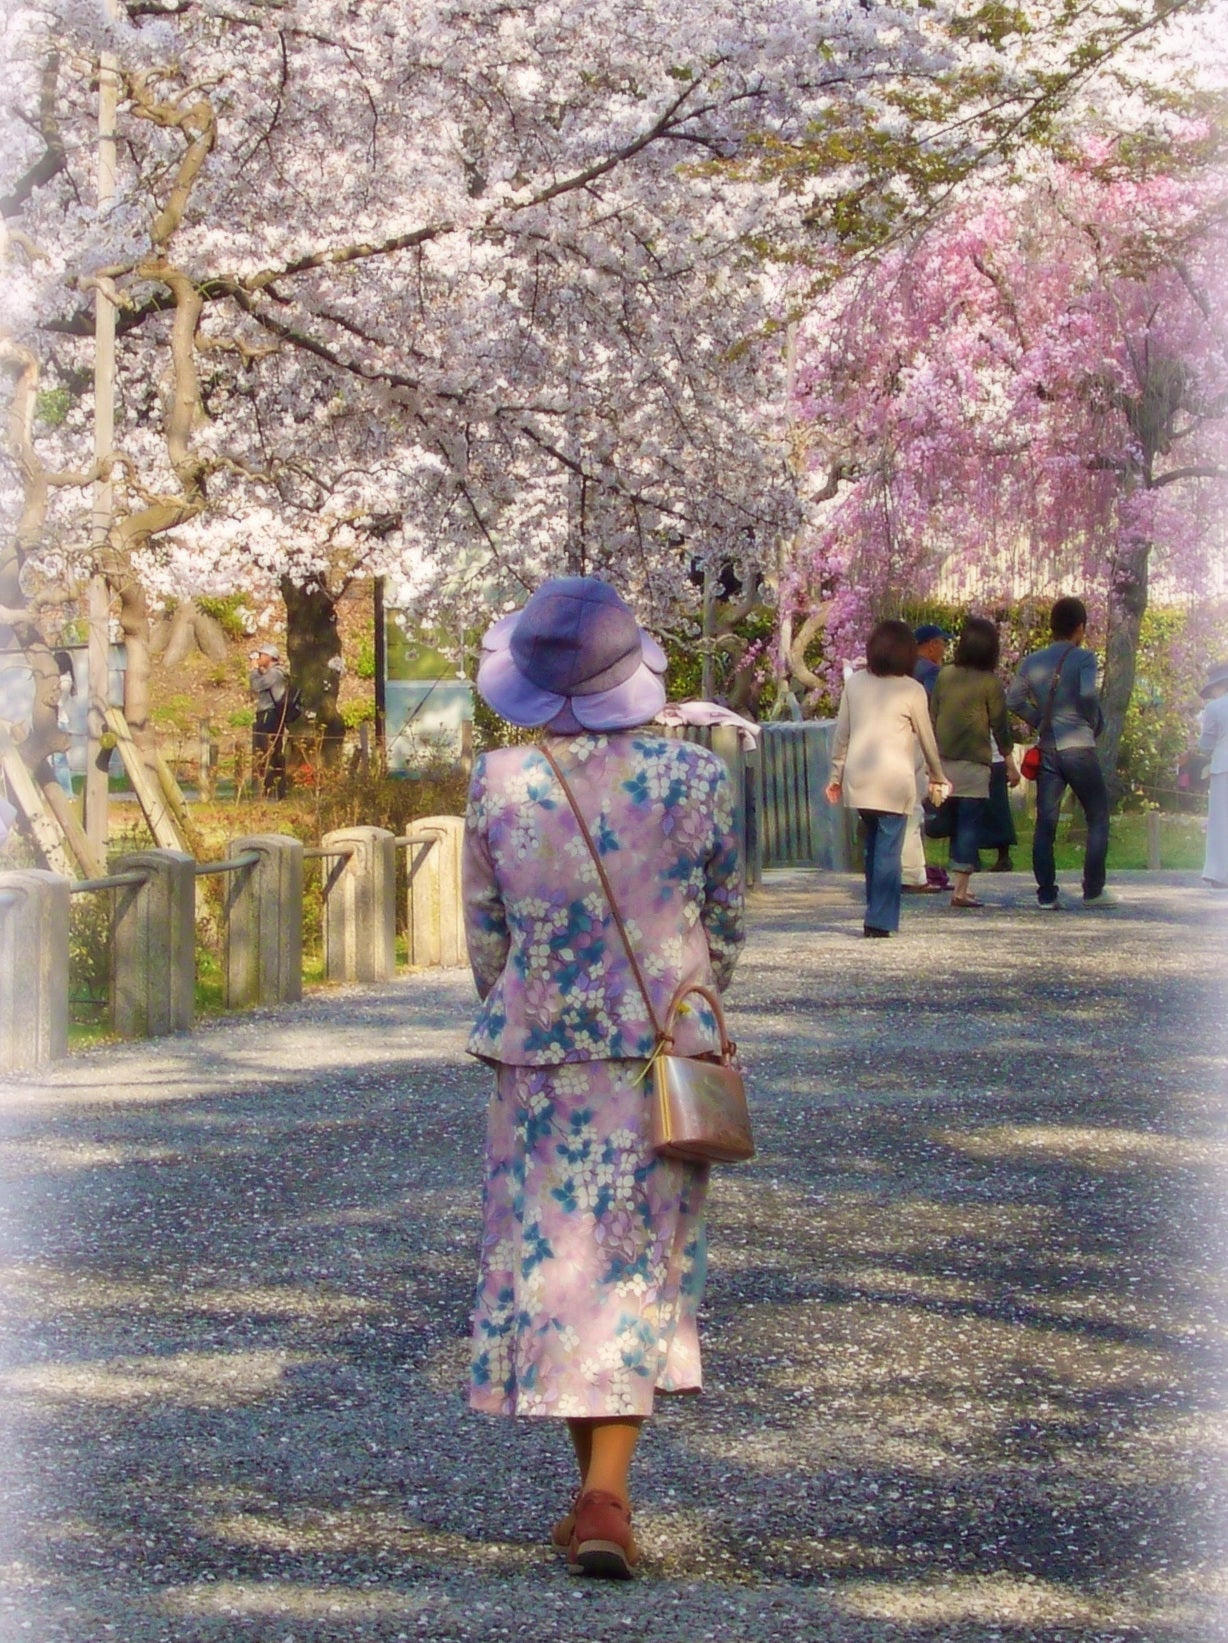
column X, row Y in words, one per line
column 699, row 1110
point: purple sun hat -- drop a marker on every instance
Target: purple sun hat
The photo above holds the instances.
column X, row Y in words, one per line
column 575, row 659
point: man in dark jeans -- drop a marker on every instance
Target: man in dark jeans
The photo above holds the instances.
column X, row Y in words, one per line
column 270, row 687
column 1055, row 692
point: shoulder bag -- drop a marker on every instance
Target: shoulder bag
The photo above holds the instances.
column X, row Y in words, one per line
column 699, row 1110
column 1029, row 765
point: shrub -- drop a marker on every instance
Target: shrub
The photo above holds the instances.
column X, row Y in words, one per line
column 89, row 955
column 231, row 615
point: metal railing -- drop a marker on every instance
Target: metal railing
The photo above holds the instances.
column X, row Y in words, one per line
column 237, row 864
column 110, row 881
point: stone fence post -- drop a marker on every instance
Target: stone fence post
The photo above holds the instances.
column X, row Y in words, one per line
column 153, row 962
column 360, row 905
column 264, row 923
column 33, row 968
column 435, row 918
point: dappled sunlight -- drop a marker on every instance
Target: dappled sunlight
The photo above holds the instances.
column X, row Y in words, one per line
column 996, row 1599
column 863, row 1385
column 198, row 1380
column 46, row 1293
column 443, row 1204
column 1170, row 1447
column 841, row 1224
column 1090, row 1147
column 348, row 1531
column 290, row 1600
column 55, row 1155
column 864, row 1345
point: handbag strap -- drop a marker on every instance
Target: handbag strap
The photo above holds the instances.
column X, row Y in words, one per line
column 1046, row 718
column 664, row 1034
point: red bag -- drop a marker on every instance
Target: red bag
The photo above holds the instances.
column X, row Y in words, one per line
column 1029, row 765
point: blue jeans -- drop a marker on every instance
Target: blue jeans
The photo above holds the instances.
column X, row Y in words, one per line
column 1079, row 769
column 966, row 836
column 884, row 846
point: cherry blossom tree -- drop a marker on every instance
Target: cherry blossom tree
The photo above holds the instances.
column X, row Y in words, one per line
column 468, row 292
column 1037, row 391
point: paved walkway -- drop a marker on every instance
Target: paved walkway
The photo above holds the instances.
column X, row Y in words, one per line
column 965, row 1331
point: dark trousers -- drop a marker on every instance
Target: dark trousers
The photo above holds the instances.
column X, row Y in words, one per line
column 1079, row 769
column 269, row 752
column 965, row 836
column 884, row 847
column 997, row 822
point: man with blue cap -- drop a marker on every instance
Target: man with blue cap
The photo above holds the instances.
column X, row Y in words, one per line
column 915, row 876
column 932, row 642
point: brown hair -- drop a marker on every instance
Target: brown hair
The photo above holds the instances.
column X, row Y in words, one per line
column 978, row 645
column 891, row 649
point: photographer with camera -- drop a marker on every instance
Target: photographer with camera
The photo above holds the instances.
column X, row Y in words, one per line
column 270, row 685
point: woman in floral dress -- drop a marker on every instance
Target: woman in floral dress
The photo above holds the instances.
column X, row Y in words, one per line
column 593, row 1248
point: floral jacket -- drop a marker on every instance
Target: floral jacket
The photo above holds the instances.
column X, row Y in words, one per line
column 550, row 966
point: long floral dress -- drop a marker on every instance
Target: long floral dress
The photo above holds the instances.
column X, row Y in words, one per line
column 593, row 1250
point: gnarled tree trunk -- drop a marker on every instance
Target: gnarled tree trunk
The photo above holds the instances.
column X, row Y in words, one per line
column 313, row 643
column 1127, row 605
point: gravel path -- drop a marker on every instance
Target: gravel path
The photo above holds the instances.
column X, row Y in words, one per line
column 965, row 1329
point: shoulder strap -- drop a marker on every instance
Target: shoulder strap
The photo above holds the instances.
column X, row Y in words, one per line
column 605, row 885
column 1046, row 718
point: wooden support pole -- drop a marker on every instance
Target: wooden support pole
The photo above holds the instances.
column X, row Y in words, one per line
column 158, row 813
column 24, row 792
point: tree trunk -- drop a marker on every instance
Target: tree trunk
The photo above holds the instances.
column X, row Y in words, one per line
column 1127, row 605
column 134, row 624
column 313, row 642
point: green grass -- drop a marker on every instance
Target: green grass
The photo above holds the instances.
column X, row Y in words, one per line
column 1181, row 844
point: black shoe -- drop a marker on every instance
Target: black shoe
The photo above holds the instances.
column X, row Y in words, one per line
column 1004, row 864
column 873, row 930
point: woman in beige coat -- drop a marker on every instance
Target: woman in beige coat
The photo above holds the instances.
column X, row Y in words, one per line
column 884, row 715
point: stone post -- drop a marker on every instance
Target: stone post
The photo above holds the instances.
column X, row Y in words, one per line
column 360, row 905
column 153, row 968
column 435, row 918
column 33, row 968
column 264, row 923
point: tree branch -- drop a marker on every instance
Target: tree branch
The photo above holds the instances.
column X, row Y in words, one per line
column 1197, row 470
column 53, row 158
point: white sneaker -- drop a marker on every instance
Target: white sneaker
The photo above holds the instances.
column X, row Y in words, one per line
column 1054, row 906
column 1106, row 898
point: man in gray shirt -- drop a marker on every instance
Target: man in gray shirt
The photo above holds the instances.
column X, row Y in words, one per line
column 1055, row 693
column 270, row 687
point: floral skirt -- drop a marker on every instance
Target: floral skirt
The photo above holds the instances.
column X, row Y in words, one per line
column 593, row 1249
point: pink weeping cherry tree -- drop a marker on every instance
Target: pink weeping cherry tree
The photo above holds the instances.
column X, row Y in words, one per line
column 1034, row 395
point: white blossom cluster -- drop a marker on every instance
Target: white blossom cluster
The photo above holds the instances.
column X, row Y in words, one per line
column 461, row 293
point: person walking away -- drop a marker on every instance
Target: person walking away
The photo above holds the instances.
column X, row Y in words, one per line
column 1055, row 693
column 916, row 877
column 882, row 719
column 1213, row 739
column 968, row 708
column 271, row 689
column 593, row 1247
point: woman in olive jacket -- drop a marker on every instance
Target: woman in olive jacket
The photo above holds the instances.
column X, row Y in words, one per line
column 968, row 706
